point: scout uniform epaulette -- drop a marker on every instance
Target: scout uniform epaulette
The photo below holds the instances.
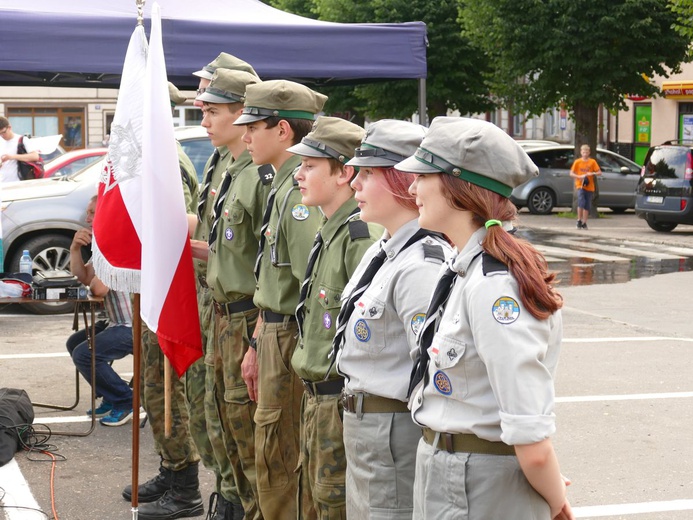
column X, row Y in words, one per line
column 492, row 265
column 433, row 252
column 358, row 229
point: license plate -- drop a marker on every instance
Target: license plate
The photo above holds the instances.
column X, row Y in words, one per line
column 654, row 199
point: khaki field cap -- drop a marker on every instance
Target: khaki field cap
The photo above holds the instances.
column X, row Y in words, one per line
column 228, row 86
column 388, row 142
column 280, row 98
column 472, row 150
column 174, row 95
column 225, row 61
column 331, row 138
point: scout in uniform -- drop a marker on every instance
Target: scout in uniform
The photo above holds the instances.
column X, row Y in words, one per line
column 483, row 388
column 233, row 240
column 176, row 489
column 323, row 181
column 277, row 115
column 383, row 306
column 201, row 399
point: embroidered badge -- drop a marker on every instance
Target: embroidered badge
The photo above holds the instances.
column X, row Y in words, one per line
column 300, row 212
column 212, row 192
column 226, row 212
column 327, row 320
column 417, row 322
column 452, row 354
column 322, row 294
column 505, row 310
column 372, row 311
column 361, row 331
column 442, row 383
column 228, row 234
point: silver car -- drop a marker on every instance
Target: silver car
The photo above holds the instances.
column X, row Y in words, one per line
column 42, row 215
column 553, row 187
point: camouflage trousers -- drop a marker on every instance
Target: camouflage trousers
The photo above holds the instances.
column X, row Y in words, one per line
column 178, row 451
column 322, row 460
column 228, row 400
column 277, row 421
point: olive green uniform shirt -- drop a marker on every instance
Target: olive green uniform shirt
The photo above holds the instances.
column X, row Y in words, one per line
column 231, row 262
column 191, row 188
column 289, row 237
column 345, row 239
column 202, row 229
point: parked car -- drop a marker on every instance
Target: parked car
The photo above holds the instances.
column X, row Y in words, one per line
column 664, row 195
column 42, row 215
column 553, row 187
column 535, row 143
column 71, row 162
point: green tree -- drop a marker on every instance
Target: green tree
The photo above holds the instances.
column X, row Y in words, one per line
column 455, row 80
column 581, row 53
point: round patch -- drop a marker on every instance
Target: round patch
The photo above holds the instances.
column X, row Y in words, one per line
column 300, row 212
column 228, row 234
column 417, row 322
column 361, row 331
column 442, row 383
column 327, row 320
column 505, row 310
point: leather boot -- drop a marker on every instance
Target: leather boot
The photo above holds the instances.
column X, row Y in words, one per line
column 153, row 489
column 182, row 500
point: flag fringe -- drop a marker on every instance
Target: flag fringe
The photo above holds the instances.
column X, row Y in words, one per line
column 116, row 278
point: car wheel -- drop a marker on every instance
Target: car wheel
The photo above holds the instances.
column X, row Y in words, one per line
column 49, row 252
column 664, row 227
column 619, row 210
column 541, row 201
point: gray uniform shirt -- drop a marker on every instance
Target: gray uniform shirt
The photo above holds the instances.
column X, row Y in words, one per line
column 381, row 333
column 492, row 362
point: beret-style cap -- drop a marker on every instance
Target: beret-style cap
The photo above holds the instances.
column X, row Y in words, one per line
column 388, row 142
column 280, row 98
column 228, row 86
column 331, row 138
column 225, row 61
column 473, row 150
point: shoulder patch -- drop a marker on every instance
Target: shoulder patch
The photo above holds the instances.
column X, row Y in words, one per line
column 358, row 229
column 433, row 252
column 492, row 265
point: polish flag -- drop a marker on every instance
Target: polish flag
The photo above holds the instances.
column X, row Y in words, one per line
column 169, row 295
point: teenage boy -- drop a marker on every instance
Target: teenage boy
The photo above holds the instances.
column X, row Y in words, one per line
column 583, row 171
column 277, row 115
column 324, row 181
column 233, row 238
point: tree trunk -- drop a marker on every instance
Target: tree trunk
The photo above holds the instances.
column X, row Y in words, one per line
column 586, row 120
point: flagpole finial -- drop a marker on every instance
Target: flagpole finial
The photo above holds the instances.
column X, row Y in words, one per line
column 140, row 11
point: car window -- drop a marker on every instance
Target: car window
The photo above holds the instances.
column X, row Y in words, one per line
column 199, row 151
column 560, row 159
column 667, row 162
column 77, row 165
column 608, row 163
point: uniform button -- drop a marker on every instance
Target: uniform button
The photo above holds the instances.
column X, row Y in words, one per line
column 390, row 254
column 419, row 400
column 462, row 273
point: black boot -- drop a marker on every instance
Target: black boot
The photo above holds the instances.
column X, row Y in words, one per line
column 153, row 489
column 182, row 500
column 238, row 512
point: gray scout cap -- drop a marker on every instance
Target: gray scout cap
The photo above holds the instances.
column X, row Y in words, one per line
column 225, row 61
column 388, row 142
column 280, row 98
column 228, row 86
column 174, row 95
column 331, row 138
column 473, row 150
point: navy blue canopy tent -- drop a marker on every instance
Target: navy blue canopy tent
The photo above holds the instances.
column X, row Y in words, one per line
column 83, row 42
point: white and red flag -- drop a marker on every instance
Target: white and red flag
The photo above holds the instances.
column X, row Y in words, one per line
column 142, row 233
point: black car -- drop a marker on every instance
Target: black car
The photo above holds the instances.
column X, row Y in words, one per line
column 664, row 195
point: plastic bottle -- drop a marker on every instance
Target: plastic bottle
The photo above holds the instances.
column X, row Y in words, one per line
column 26, row 263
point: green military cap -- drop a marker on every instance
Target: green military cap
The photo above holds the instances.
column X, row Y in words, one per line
column 388, row 142
column 174, row 95
column 332, row 138
column 225, row 61
column 227, row 86
column 280, row 98
column 473, row 150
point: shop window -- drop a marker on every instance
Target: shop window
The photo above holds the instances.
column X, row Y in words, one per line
column 43, row 121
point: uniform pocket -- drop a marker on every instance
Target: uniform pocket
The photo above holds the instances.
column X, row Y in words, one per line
column 241, row 421
column 271, row 469
column 446, row 354
column 368, row 326
column 328, row 459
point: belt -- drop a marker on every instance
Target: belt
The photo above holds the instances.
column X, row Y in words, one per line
column 373, row 404
column 202, row 281
column 227, row 309
column 466, row 442
column 333, row 387
column 274, row 317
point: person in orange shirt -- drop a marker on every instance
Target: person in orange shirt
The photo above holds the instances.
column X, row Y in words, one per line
column 583, row 171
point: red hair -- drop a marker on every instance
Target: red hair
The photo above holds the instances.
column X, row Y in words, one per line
column 527, row 265
column 398, row 183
